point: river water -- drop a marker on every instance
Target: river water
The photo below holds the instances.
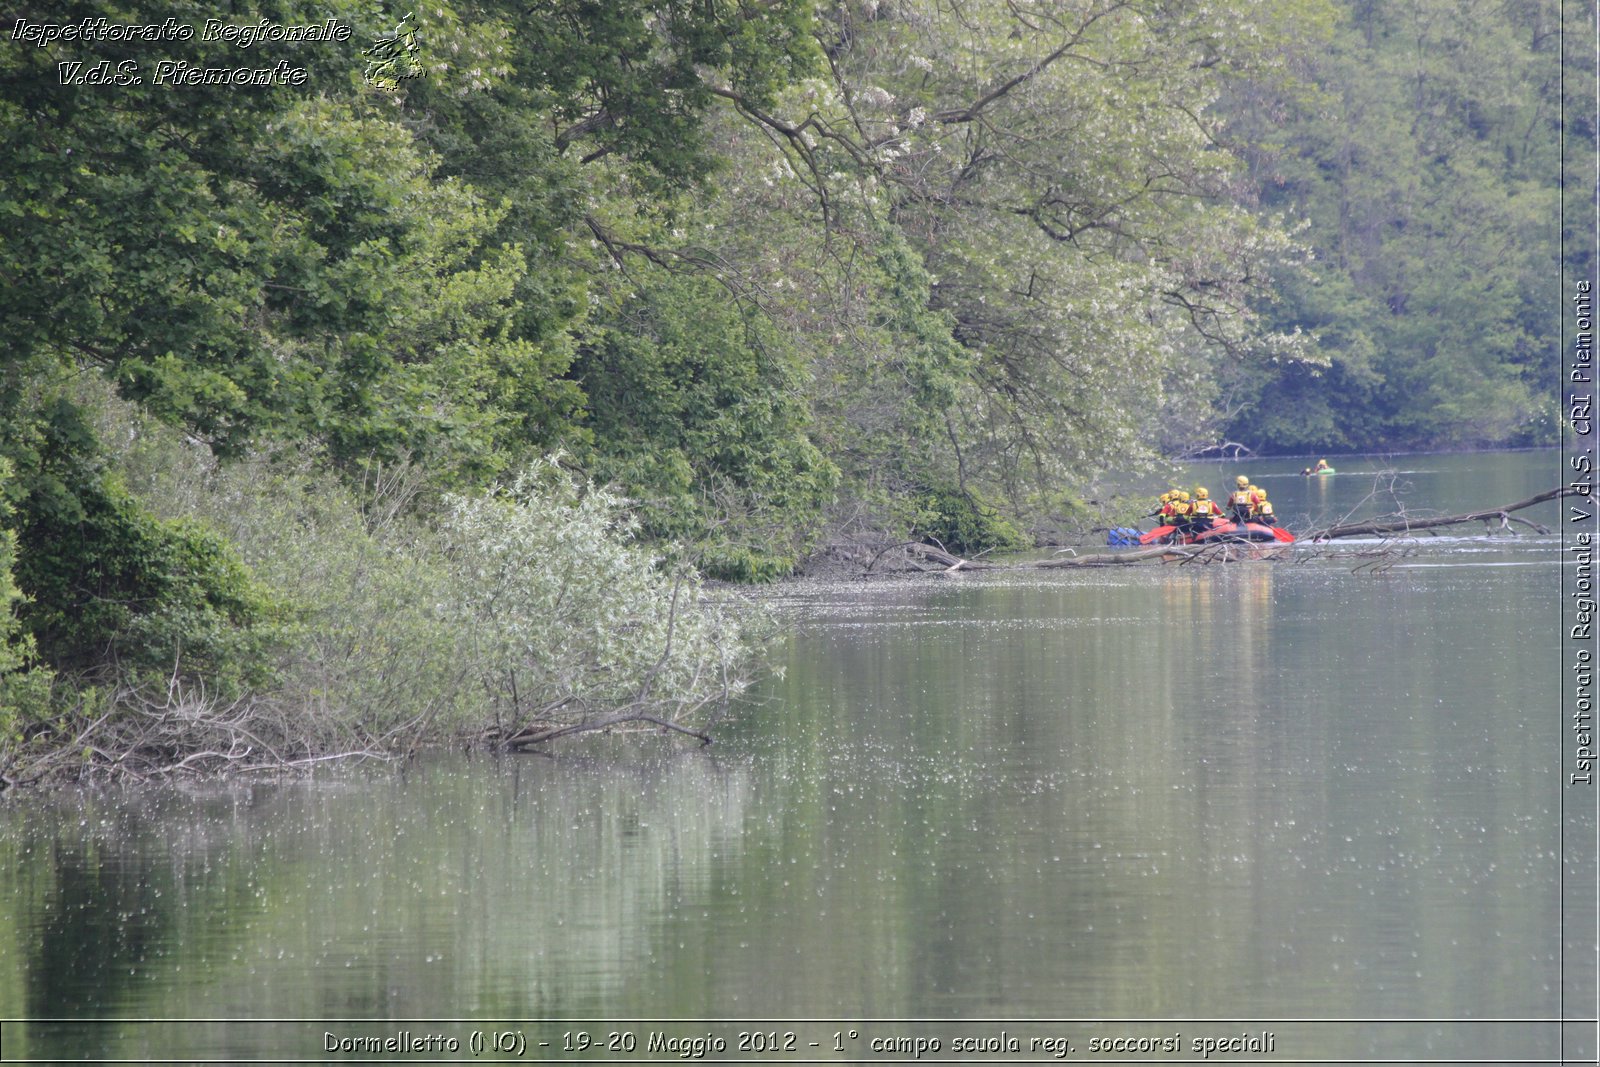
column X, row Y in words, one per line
column 1311, row 810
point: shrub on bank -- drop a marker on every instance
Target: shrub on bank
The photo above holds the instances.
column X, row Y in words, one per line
column 964, row 523
column 403, row 620
column 24, row 685
column 480, row 613
column 564, row 615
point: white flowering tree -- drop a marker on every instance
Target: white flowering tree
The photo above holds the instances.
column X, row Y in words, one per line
column 570, row 625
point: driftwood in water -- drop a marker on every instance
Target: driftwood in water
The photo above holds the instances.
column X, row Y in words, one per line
column 1370, row 560
column 1113, row 559
column 947, row 563
column 911, row 554
column 531, row 736
column 1221, row 550
column 1405, row 524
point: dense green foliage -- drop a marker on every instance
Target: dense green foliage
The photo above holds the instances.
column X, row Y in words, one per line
column 144, row 594
column 253, row 261
column 963, row 522
column 1425, row 148
column 24, row 686
column 696, row 406
column 774, row 272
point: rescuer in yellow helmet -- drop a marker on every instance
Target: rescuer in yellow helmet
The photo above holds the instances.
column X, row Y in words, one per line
column 1180, row 512
column 1204, row 510
column 1263, row 513
column 1239, row 501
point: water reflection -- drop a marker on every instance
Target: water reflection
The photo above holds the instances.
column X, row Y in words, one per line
column 1246, row 790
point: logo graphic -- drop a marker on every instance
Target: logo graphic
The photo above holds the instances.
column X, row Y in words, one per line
column 394, row 57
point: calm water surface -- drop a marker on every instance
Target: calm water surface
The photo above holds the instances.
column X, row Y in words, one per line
column 1272, row 791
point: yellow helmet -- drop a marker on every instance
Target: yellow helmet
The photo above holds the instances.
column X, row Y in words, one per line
column 1254, row 489
column 1166, row 497
column 1263, row 492
column 1200, row 492
column 1183, row 498
column 1242, row 481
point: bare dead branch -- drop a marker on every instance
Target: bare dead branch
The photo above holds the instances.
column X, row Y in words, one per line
column 1405, row 524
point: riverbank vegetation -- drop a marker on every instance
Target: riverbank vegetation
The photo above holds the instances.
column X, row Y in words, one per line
column 413, row 398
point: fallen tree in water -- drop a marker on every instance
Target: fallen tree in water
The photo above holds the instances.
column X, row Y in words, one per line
column 1223, row 551
column 919, row 558
column 1403, row 524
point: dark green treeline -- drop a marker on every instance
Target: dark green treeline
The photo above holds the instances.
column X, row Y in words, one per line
column 1427, row 150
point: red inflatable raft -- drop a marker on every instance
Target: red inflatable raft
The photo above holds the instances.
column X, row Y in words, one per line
column 1221, row 531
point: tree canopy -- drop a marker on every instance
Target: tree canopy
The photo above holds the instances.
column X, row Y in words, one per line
column 1425, row 149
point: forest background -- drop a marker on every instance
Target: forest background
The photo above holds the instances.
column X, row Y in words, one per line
column 416, row 399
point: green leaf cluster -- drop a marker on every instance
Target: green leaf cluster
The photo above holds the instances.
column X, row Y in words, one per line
column 696, row 405
column 558, row 605
column 965, row 524
column 24, row 683
column 112, row 588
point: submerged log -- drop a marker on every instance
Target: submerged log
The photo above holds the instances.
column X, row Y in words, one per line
column 948, row 560
column 1403, row 524
column 921, row 549
column 1226, row 449
column 1225, row 550
column 1114, row 559
column 601, row 724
